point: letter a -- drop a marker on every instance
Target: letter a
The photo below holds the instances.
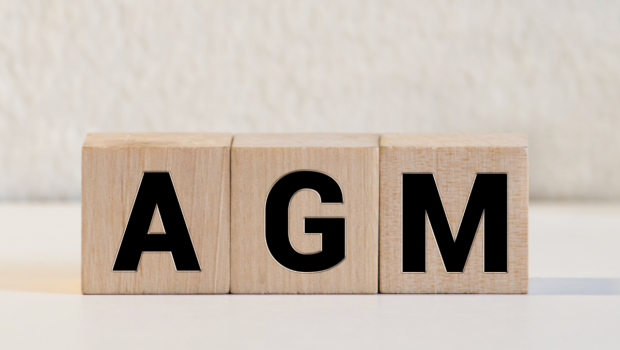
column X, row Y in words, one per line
column 156, row 191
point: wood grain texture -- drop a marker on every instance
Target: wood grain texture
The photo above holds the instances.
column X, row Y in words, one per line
column 257, row 162
column 112, row 169
column 454, row 160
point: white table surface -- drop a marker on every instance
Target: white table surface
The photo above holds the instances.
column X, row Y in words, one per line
column 574, row 299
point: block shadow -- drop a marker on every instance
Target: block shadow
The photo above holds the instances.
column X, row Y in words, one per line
column 574, row 286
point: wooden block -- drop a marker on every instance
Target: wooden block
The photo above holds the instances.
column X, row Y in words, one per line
column 420, row 174
column 155, row 213
column 324, row 183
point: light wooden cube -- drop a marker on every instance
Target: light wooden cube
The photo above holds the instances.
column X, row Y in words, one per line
column 278, row 174
column 194, row 168
column 422, row 173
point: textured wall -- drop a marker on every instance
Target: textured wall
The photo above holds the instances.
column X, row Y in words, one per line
column 550, row 69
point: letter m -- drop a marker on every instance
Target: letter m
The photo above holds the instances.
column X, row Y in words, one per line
column 488, row 198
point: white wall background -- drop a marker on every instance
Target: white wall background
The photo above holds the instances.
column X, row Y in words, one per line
column 549, row 68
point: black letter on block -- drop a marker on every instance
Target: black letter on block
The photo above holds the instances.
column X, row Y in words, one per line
column 156, row 190
column 488, row 195
column 276, row 223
